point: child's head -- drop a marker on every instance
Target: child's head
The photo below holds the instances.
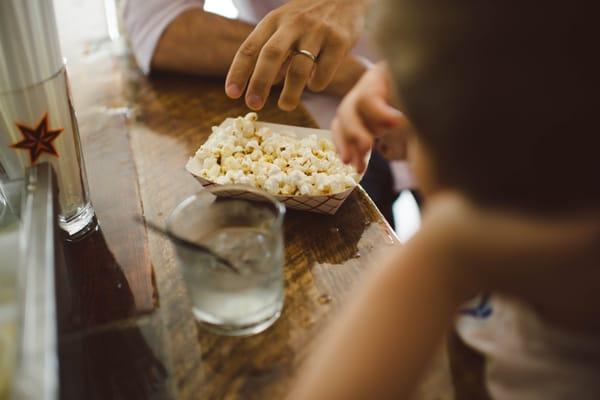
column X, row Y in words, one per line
column 501, row 97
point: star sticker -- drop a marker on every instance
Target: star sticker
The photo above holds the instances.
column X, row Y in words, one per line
column 38, row 140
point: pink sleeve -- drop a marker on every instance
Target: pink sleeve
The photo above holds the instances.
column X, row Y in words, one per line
column 145, row 21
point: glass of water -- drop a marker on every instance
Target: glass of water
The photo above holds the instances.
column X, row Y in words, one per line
column 247, row 298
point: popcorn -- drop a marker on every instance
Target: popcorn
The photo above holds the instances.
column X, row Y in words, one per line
column 276, row 162
column 231, row 164
column 213, row 172
column 305, row 189
column 209, row 162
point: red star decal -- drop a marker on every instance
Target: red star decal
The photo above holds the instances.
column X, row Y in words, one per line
column 38, row 140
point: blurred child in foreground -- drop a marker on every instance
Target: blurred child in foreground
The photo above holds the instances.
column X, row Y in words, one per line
column 503, row 139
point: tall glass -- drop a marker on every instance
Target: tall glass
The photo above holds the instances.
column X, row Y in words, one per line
column 9, row 234
column 248, row 298
column 37, row 123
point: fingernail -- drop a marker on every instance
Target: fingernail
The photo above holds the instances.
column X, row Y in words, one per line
column 255, row 101
column 286, row 107
column 395, row 112
column 233, row 90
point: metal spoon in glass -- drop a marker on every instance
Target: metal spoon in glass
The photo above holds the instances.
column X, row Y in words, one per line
column 191, row 245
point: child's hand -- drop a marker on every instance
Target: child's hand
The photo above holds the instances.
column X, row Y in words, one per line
column 365, row 113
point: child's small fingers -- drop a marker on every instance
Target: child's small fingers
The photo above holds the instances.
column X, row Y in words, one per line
column 378, row 113
column 355, row 131
column 339, row 140
column 356, row 157
column 352, row 160
column 352, row 152
column 359, row 162
column 365, row 144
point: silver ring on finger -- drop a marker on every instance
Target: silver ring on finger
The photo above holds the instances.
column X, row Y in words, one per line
column 308, row 54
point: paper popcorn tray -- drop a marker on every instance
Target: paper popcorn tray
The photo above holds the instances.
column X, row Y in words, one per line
column 322, row 204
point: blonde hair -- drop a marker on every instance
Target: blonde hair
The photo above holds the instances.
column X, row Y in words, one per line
column 501, row 95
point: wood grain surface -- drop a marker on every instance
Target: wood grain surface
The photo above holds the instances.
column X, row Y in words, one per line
column 324, row 254
column 126, row 326
column 123, row 303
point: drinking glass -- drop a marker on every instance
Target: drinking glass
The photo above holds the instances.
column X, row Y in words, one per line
column 37, row 123
column 9, row 234
column 248, row 298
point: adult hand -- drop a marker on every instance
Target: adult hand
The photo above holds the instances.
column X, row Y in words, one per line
column 365, row 114
column 327, row 29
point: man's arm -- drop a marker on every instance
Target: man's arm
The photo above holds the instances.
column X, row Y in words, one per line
column 202, row 43
column 324, row 30
column 199, row 42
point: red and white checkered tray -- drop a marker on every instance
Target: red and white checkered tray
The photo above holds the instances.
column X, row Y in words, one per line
column 326, row 204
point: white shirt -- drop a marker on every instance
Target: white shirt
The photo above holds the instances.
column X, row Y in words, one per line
column 147, row 19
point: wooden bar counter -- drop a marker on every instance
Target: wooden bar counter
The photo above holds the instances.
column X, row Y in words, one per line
column 126, row 329
column 126, row 326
